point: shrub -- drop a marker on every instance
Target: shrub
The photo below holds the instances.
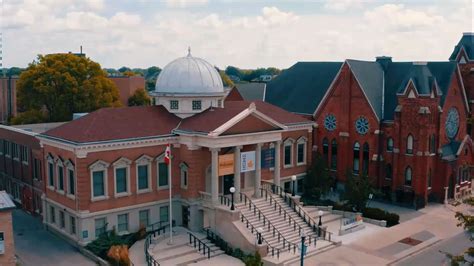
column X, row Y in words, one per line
column 119, row 255
column 379, row 214
column 102, row 245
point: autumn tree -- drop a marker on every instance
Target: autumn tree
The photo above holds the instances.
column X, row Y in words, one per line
column 357, row 190
column 139, row 98
column 63, row 84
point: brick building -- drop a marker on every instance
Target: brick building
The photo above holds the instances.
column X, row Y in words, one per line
column 7, row 247
column 127, row 86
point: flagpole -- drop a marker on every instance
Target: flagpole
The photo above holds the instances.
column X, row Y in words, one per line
column 170, row 206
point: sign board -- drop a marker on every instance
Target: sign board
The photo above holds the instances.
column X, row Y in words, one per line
column 2, row 242
column 247, row 161
column 268, row 158
column 226, row 164
column 349, row 223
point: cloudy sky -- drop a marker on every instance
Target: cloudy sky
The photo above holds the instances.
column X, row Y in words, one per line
column 244, row 33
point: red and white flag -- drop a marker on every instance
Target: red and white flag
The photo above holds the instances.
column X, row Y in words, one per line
column 168, row 154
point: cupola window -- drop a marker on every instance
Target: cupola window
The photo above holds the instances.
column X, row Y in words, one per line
column 197, row 105
column 174, row 105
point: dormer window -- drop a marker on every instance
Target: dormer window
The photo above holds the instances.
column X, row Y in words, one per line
column 174, row 105
column 197, row 105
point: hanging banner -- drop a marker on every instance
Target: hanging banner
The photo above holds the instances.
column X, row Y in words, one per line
column 226, row 164
column 268, row 158
column 247, row 161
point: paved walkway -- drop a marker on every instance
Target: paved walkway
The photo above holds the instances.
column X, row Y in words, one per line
column 37, row 247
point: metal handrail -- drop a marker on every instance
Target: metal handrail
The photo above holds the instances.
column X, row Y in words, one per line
column 150, row 260
column 299, row 210
column 158, row 225
column 253, row 229
column 192, row 241
column 275, row 203
column 267, row 223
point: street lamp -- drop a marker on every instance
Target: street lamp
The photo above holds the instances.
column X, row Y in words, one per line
column 259, row 235
column 293, row 181
column 232, row 191
column 370, row 198
column 303, row 248
column 320, row 213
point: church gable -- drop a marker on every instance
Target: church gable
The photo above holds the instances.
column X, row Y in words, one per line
column 250, row 124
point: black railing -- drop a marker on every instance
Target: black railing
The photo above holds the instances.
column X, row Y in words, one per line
column 286, row 216
column 200, row 245
column 322, row 233
column 150, row 261
column 224, row 200
column 158, row 225
column 274, row 250
column 267, row 223
column 218, row 241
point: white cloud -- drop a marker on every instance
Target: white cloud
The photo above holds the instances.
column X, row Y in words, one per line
column 342, row 5
column 85, row 21
column 272, row 16
column 185, row 3
column 212, row 20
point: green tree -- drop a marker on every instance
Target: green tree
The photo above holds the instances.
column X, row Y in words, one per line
column 152, row 72
column 124, row 69
column 226, row 80
column 318, row 181
column 63, row 84
column 29, row 117
column 357, row 190
column 139, row 98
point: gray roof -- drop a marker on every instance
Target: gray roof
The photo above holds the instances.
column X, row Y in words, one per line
column 252, row 91
column 5, row 202
column 450, row 150
column 466, row 42
column 301, row 88
column 39, row 128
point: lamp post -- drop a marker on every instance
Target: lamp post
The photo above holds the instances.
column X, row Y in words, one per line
column 293, row 181
column 259, row 235
column 370, row 198
column 232, row 191
column 303, row 248
column 320, row 213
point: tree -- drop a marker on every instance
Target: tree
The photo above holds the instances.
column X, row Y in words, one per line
column 226, row 80
column 124, row 69
column 139, row 98
column 152, row 72
column 129, row 74
column 357, row 190
column 29, row 117
column 318, row 181
column 63, row 84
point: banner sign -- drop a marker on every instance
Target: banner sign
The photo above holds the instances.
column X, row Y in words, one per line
column 247, row 161
column 268, row 158
column 349, row 223
column 226, row 164
column 2, row 243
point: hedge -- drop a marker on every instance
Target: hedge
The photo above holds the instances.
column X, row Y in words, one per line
column 379, row 214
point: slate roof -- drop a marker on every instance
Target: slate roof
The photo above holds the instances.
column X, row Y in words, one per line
column 5, row 202
column 450, row 150
column 467, row 42
column 117, row 124
column 301, row 88
column 211, row 119
column 252, row 91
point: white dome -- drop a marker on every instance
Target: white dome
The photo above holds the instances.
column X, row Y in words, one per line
column 189, row 75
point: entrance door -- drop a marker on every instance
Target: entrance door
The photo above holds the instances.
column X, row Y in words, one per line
column 185, row 214
column 228, row 183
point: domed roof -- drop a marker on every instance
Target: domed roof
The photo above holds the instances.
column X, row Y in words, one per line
column 189, row 75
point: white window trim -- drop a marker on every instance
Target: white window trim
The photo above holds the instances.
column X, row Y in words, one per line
column 302, row 140
column 288, row 142
column 96, row 167
column 70, row 166
column 25, row 154
column 95, row 223
column 160, row 159
column 59, row 163
column 144, row 160
column 183, row 167
column 49, row 160
column 128, row 224
column 122, row 163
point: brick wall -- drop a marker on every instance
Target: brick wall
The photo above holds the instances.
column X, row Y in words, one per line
column 7, row 259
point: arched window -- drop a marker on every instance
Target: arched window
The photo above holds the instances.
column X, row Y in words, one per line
column 326, row 149
column 410, row 144
column 408, row 176
column 365, row 159
column 429, row 178
column 356, row 149
column 334, row 154
column 388, row 171
column 432, row 144
column 389, row 144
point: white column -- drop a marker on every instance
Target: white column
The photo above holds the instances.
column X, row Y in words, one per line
column 258, row 170
column 237, row 171
column 214, row 175
column 446, row 195
column 276, row 173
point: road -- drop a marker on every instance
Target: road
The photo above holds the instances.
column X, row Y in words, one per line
column 431, row 255
column 37, row 247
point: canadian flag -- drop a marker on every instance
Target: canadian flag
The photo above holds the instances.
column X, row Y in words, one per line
column 168, row 154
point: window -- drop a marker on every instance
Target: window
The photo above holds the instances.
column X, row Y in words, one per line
column 326, row 150
column 388, row 171
column 24, row 154
column 162, row 174
column 52, row 215
column 72, row 225
column 433, row 144
column 356, row 157
column 389, row 144
column 2, row 149
column 365, row 159
column 288, row 153
column 174, row 105
column 36, row 169
column 143, row 218
column 62, row 221
column 408, row 176
column 15, row 151
column 98, row 184
column 71, row 182
column 287, row 186
column 51, row 174
column 60, row 177
column 197, row 105
column 429, row 178
column 120, row 180
column 142, row 177
column 301, row 151
column 100, row 226
column 219, row 103
column 122, row 223
column 334, row 154
column 184, row 175
column 164, row 214
column 410, row 144
column 7, row 148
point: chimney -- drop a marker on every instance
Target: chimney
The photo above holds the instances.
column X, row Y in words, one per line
column 383, row 61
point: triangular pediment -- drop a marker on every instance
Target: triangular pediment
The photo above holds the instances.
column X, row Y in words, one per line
column 250, row 124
